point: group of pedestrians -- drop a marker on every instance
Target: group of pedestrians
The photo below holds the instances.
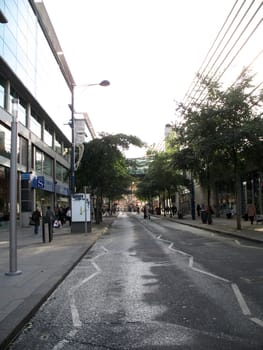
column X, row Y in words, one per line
column 54, row 218
column 250, row 214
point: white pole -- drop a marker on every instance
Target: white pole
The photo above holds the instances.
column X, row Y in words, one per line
column 13, row 195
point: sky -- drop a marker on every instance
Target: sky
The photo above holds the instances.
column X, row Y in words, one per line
column 149, row 50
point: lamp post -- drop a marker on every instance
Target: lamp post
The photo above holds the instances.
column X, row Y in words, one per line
column 73, row 144
column 13, row 194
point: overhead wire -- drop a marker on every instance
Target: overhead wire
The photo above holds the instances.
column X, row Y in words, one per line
column 232, row 47
column 227, row 30
column 213, row 44
column 234, row 57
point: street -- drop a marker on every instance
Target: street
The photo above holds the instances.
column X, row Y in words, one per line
column 155, row 284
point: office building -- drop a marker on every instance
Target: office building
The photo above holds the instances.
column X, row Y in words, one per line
column 34, row 71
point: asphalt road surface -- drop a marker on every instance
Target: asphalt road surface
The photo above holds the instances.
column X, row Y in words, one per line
column 155, row 284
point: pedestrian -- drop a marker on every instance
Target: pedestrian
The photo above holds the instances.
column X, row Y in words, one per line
column 146, row 213
column 68, row 215
column 174, row 209
column 251, row 212
column 198, row 209
column 50, row 217
column 210, row 212
column 36, row 215
column 61, row 216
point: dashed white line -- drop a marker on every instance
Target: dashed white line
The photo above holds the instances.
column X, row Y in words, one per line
column 241, row 300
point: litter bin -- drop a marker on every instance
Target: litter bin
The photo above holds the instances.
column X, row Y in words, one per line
column 204, row 216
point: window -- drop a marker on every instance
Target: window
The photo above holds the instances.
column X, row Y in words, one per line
column 38, row 161
column 58, row 146
column 43, row 163
column 22, row 151
column 47, row 165
column 21, row 113
column 67, row 154
column 48, row 137
column 35, row 125
column 2, row 96
column 5, row 142
column 61, row 173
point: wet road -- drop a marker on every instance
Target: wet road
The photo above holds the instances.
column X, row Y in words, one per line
column 154, row 284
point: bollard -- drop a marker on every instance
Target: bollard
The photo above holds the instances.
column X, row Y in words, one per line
column 43, row 231
column 50, row 232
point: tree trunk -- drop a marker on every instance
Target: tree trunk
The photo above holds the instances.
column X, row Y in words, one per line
column 98, row 210
column 238, row 200
column 217, row 200
column 208, row 187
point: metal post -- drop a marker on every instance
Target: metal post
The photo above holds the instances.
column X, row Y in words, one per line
column 13, row 195
column 259, row 194
column 85, row 224
column 43, row 220
column 192, row 198
column 73, row 142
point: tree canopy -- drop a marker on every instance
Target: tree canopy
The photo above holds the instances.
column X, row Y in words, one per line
column 103, row 167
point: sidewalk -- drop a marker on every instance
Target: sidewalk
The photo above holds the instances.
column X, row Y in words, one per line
column 225, row 226
column 43, row 266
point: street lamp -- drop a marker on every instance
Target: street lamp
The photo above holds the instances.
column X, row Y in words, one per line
column 102, row 83
column 13, row 194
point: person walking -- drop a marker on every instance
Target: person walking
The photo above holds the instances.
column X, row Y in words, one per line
column 36, row 215
column 251, row 212
column 50, row 218
column 146, row 212
column 198, row 209
column 68, row 215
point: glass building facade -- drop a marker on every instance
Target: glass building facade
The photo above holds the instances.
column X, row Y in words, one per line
column 31, row 70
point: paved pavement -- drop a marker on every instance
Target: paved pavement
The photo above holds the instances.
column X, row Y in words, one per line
column 226, row 226
column 45, row 265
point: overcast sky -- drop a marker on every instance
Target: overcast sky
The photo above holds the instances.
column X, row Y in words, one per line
column 149, row 50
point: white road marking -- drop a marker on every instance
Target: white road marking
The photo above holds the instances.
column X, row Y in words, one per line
column 60, row 345
column 211, row 275
column 74, row 310
column 257, row 321
column 241, row 300
column 163, row 240
column 191, row 263
column 74, row 313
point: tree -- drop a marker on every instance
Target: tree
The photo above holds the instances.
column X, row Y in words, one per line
column 103, row 167
column 225, row 129
column 160, row 180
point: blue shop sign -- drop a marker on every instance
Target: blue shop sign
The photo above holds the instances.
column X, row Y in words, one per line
column 25, row 176
column 38, row 182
